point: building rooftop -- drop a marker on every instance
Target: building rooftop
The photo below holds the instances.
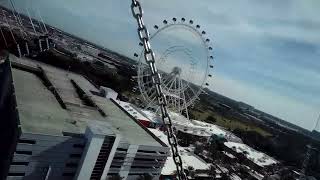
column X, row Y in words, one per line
column 42, row 111
column 39, row 111
column 255, row 156
column 131, row 110
column 188, row 158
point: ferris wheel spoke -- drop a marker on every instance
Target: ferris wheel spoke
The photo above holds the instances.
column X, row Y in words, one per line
column 169, row 83
column 179, row 100
column 145, row 75
column 153, row 93
column 147, row 83
column 185, row 106
column 194, row 93
column 178, row 96
column 188, row 98
column 180, row 84
column 165, row 80
column 149, row 90
column 158, row 110
column 151, row 102
column 183, row 96
column 172, row 100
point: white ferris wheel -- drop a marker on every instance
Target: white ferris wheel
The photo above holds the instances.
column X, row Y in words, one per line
column 184, row 58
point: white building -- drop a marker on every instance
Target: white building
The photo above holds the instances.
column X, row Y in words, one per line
column 109, row 93
column 255, row 156
column 189, row 159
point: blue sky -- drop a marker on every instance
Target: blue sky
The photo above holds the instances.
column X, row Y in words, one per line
column 267, row 53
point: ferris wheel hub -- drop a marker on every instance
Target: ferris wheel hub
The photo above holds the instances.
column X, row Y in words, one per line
column 176, row 71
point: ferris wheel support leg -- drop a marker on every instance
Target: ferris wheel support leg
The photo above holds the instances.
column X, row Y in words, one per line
column 184, row 101
column 158, row 109
column 187, row 113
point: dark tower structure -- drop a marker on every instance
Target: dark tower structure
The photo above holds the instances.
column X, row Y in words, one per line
column 9, row 128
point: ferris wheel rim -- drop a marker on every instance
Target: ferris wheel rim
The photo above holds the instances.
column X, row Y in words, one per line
column 197, row 92
column 194, row 31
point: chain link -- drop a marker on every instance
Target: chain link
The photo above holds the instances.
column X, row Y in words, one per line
column 149, row 56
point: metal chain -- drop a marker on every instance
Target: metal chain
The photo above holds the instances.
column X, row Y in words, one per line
column 149, row 56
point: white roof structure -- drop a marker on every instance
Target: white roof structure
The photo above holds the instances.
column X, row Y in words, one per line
column 188, row 159
column 151, row 115
column 255, row 156
column 185, row 125
column 210, row 128
column 214, row 129
column 132, row 111
column 194, row 127
column 110, row 93
column 200, row 128
column 229, row 154
column 234, row 177
column 84, row 57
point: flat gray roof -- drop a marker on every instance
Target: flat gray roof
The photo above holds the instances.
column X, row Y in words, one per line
column 41, row 113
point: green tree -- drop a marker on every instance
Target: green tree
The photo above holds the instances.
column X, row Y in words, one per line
column 211, row 119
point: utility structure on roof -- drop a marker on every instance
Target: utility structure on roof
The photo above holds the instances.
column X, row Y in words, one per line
column 310, row 150
column 20, row 41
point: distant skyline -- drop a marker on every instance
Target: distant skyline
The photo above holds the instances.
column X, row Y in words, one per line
column 267, row 53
